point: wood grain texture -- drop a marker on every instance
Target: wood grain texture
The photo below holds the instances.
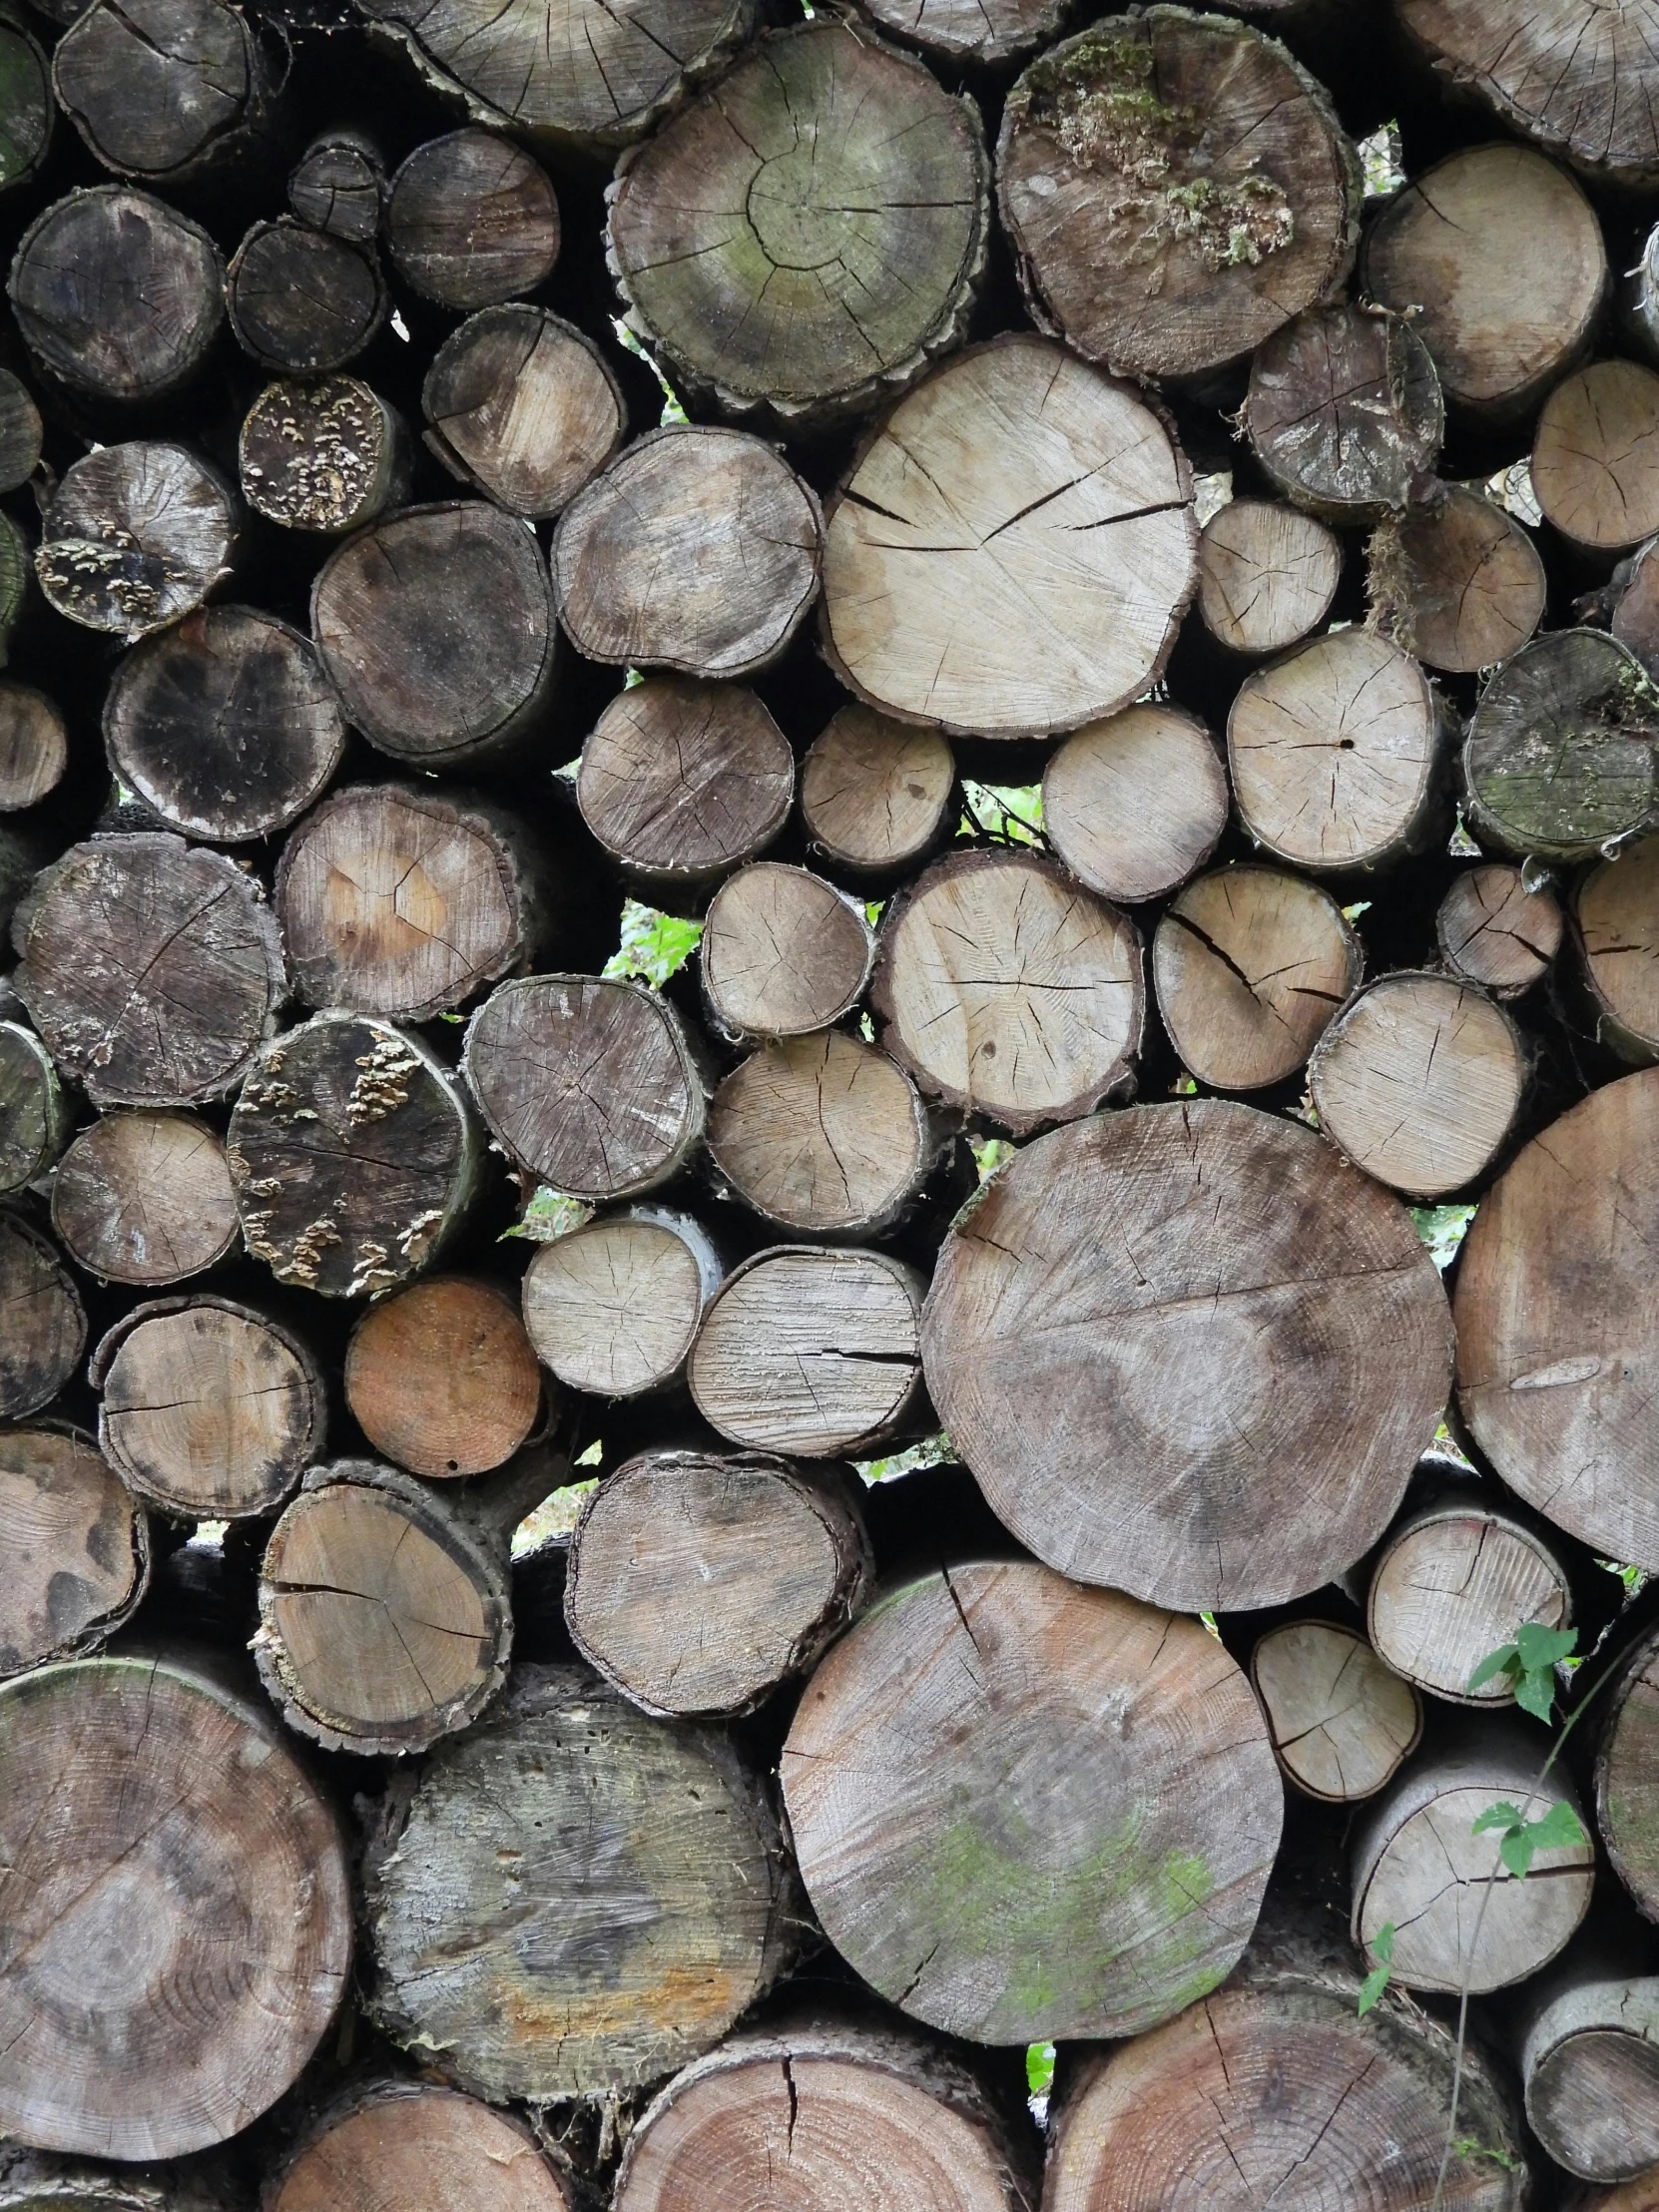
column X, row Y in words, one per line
column 615, row 1306
column 45, row 1329
column 144, row 1197
column 983, row 31
column 403, row 2146
column 1615, row 914
column 875, row 793
column 1595, row 458
column 1589, row 2064
column 34, row 747
column 783, row 952
column 523, row 406
column 1339, row 1718
column 160, row 90
column 1267, row 574
column 1496, row 931
column 472, row 219
column 338, row 185
column 1457, row 580
column 300, row 302
column 1451, row 1585
column 34, row 1115
column 442, row 1379
column 1033, row 1860
column 76, row 1544
column 1343, row 413
column 1135, row 804
column 136, row 535
column 1627, row 1774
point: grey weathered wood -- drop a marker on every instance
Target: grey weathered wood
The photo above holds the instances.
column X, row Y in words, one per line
column 1339, row 1718
column 1595, row 457
column 45, row 1324
column 302, row 301
column 614, row 1308
column 1267, row 574
column 1451, row 1583
column 42, row 2181
column 1588, row 2042
column 783, row 952
column 876, row 794
column 1344, row 415
column 34, row 745
column 472, row 219
column 327, row 456
column 1615, row 913
column 1495, row 930
column 165, row 90
column 144, row 1197
column 77, row 1547
column 1136, row 804
column 34, row 1117
column 1627, row 1774
column 1457, row 580
column 338, row 185
column 136, row 535
column 986, row 32
column 20, row 432
column 27, row 108
column 523, row 406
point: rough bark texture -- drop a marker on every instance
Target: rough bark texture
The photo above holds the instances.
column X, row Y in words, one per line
column 1135, row 804
column 152, row 968
column 1589, row 2063
column 161, row 90
column 34, row 1118
column 144, row 1197
column 1149, row 1390
column 77, row 1548
column 41, row 2181
column 1617, row 931
column 1340, row 1720
column 1344, row 415
column 874, row 795
column 614, row 1308
column 697, row 550
column 1627, row 1774
column 34, row 747
column 1450, row 1584
column 1072, row 611
column 338, row 185
column 406, row 2146
column 45, row 1324
column 300, row 302
column 1496, row 931
column 1040, row 1861
column 1595, row 459
column 1457, row 581
column 808, row 235
column 697, row 1584
column 354, row 1154
column 180, row 1928
column 783, row 952
column 471, row 221
column 327, row 456
column 135, row 536
column 523, row 406
column 576, row 1899
column 442, row 1379
column 1266, row 575
column 1006, row 989
column 1175, row 186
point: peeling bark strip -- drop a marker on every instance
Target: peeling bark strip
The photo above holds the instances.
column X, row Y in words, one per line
column 696, row 1584
column 329, row 456
column 997, row 1784
column 1557, row 1331
column 810, row 233
column 77, row 1548
column 1266, row 575
column 783, row 952
column 1343, row 413
column 1449, row 1585
column 614, row 1308
column 152, row 968
column 45, row 1329
column 1175, row 186
column 39, row 2181
column 354, row 1156
column 135, row 536
column 1224, row 1318
column 845, row 2110
column 179, row 1908
column 524, row 407
column 583, row 76
column 1616, row 935
column 1017, row 584
column 575, row 1899
column 1457, row 580
column 1340, row 1720
column 145, row 1198
column 1496, row 931
column 162, row 90
column 471, row 221
column 412, row 2144
column 1589, row 2062
column 34, row 1118
column 441, row 1377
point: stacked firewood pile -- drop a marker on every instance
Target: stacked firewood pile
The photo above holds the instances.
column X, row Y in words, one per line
column 903, row 1564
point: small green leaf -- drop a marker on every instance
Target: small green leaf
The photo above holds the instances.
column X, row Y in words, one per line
column 1543, row 1647
column 1504, row 1815
column 1383, row 1949
column 1560, row 1829
column 1535, row 1693
column 1516, row 1851
column 1503, row 1661
column 1039, row 2068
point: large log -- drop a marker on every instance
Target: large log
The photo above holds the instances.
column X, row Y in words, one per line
column 34, row 1116
column 1615, row 914
column 77, row 1548
column 1343, row 413
column 1135, row 804
column 135, row 536
column 300, row 302
column 614, row 1308
column 1340, row 1720
column 523, row 406
column 164, row 90
column 846, row 2112
column 875, row 793
column 471, row 221
column 1266, row 575
column 144, row 1197
column 575, row 1899
column 45, row 1324
column 1007, row 1796
column 1457, row 580
column 1175, row 186
column 1588, row 2040
column 180, row 1924
column 1557, row 1333
column 327, row 456
column 153, row 969
column 441, row 1377
column 697, row 1583
column 1627, row 1774
column 1595, row 458
column 354, row 1154
column 808, row 235
column 418, row 2147
column 1007, row 989
column 1221, row 1317
column 1495, row 930
column 1017, row 583
column 783, row 952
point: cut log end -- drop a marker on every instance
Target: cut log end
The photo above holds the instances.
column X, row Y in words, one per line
column 1616, row 930
column 1135, row 804
column 302, row 303
column 1595, row 458
column 614, row 1308
column 34, row 1118
column 135, row 536
column 1339, row 1718
column 326, row 457
column 1447, row 1591
column 34, row 747
column 1266, row 575
column 442, row 1379
column 415, row 2144
column 1457, row 581
column 1496, row 931
column 145, row 1198
column 783, row 952
column 77, row 1547
column 1345, row 413
column 471, row 221
column 1589, row 2063
column 524, row 406
column 874, row 792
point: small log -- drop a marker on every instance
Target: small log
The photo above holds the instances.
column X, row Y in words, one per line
column 442, row 1379
column 1339, row 1718
column 1461, row 1919
column 1573, row 82
column 805, row 237
column 117, row 294
column 1494, row 931
column 145, row 1198
column 327, row 456
column 1077, row 1886
column 875, row 793
column 1499, row 258
column 580, row 75
column 1595, row 457
column 1277, row 2078
column 436, row 628
column 166, row 1981
column 472, row 219
column 1457, row 581
column 1009, row 991
column 1449, row 1585
column 1615, row 914
column 821, row 1135
column 797, row 2098
column 406, row 902
column 338, row 185
column 1419, row 1080
column 783, row 952
column 982, row 32
column 164, row 90
column 1266, row 575
column 413, row 2144
column 1135, row 804
column 223, row 725
column 1071, row 613
column 1336, row 754
column 1343, row 413
column 77, row 1547
column 696, row 550
column 1559, row 757
column 1589, row 2067
column 1249, row 965
column 152, row 968
column 810, row 1351
column 1174, row 188
column 590, row 1085
column 524, row 407
column 21, row 433
column 45, row 1324
column 697, row 1584
column 34, row 1120
column 354, row 1154
column 135, row 536
column 25, row 106
column 614, row 1308
column 1139, row 1378
column 34, row 747
column 683, row 782
column 300, row 302
column 1627, row 1774
column 210, row 1410
column 576, row 1897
